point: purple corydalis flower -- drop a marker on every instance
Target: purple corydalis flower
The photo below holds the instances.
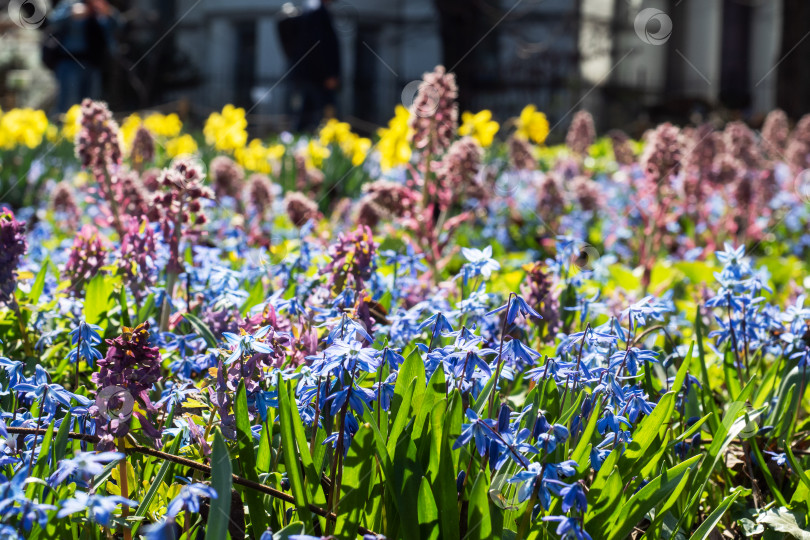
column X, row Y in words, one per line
column 352, row 259
column 86, row 259
column 12, row 248
column 434, row 112
column 131, row 367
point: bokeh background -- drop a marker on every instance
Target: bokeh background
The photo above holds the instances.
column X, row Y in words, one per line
column 703, row 60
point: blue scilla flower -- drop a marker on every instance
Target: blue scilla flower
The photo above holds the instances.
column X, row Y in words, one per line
column 573, row 496
column 54, row 394
column 85, row 337
column 555, row 435
column 648, row 307
column 189, row 499
column 544, row 477
column 480, row 263
column 343, row 357
column 246, row 344
column 517, row 355
column 13, row 370
column 516, row 305
column 410, row 262
column 632, row 358
column 611, row 422
column 480, row 430
column 100, row 507
column 14, row 502
column 440, row 324
column 569, row 528
column 348, row 328
column 83, row 465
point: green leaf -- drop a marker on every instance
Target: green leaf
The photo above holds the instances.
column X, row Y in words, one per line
column 585, row 439
column 479, row 522
column 412, row 368
column 97, row 300
column 648, row 497
column 783, row 520
column 606, row 504
column 202, row 329
column 708, row 525
column 401, row 420
column 247, row 461
column 143, row 506
column 39, row 282
column 427, row 512
column 290, row 454
column 221, row 472
column 264, row 455
column 146, row 309
column 312, row 472
column 356, row 483
column 647, row 431
column 61, row 442
column 122, row 301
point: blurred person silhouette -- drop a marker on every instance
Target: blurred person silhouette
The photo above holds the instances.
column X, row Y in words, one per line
column 81, row 39
column 312, row 51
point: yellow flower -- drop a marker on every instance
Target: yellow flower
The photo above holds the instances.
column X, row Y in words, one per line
column 335, row 132
column 316, row 153
column 182, row 145
column 128, row 129
column 226, row 131
column 70, row 123
column 163, row 125
column 480, row 126
column 22, row 127
column 393, row 145
column 360, row 150
column 532, row 124
column 259, row 158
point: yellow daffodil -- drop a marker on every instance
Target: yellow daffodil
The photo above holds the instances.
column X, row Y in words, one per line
column 335, row 131
column 393, row 145
column 226, row 131
column 22, row 127
column 128, row 129
column 532, row 125
column 180, row 146
column 70, row 123
column 316, row 153
column 259, row 158
column 163, row 125
column 480, row 126
column 360, row 148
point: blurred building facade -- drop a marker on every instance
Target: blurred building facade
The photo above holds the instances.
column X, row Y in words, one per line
column 559, row 54
column 731, row 57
